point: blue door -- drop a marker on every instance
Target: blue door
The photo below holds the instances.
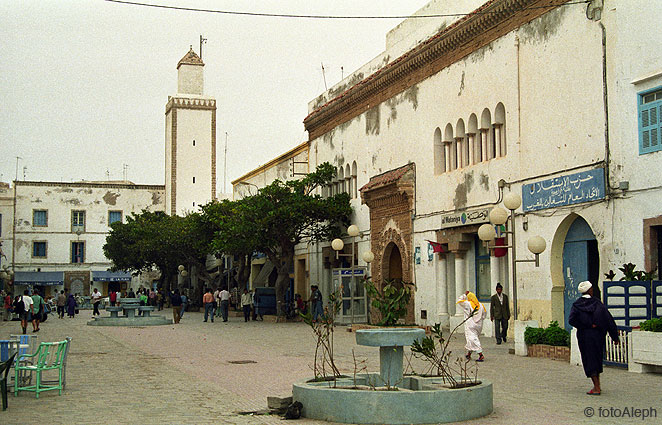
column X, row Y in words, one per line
column 575, row 270
column 580, row 262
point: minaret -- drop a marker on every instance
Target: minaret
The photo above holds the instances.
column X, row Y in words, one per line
column 190, row 138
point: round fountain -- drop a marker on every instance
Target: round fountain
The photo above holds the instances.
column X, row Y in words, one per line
column 389, row 397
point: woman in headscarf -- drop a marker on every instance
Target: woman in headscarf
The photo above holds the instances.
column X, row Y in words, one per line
column 71, row 306
column 593, row 321
column 474, row 314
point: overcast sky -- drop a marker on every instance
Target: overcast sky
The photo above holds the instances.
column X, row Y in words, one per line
column 84, row 83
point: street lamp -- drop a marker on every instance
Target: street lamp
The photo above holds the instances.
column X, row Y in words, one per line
column 498, row 217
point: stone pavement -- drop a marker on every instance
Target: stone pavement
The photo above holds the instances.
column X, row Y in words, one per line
column 183, row 374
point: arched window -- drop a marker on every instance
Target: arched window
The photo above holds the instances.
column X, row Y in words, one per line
column 500, row 128
column 341, row 179
column 486, row 134
column 450, row 147
column 354, row 181
column 462, row 145
column 474, row 139
column 348, row 181
column 439, row 154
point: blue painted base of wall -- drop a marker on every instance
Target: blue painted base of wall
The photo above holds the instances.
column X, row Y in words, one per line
column 418, row 401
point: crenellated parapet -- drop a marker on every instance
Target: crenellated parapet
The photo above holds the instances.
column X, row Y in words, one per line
column 190, row 103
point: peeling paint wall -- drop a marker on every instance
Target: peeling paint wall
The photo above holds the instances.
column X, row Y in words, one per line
column 96, row 201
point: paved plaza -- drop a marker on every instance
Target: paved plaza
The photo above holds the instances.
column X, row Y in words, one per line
column 184, row 374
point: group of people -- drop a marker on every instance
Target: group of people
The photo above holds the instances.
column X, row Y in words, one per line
column 29, row 307
column 218, row 303
column 591, row 318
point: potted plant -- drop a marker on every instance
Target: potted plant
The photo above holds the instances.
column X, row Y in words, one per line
column 552, row 342
column 647, row 344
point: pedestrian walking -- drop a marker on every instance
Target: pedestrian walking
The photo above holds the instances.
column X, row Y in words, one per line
column 593, row 321
column 71, row 306
column 112, row 297
column 38, row 310
column 184, row 303
column 208, row 302
column 474, row 314
column 61, row 302
column 224, row 297
column 246, row 305
column 217, row 302
column 176, row 302
column 96, row 300
column 25, row 308
column 316, row 302
column 7, row 307
column 500, row 313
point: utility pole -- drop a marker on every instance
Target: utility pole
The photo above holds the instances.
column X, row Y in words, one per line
column 202, row 41
column 13, row 233
column 225, row 162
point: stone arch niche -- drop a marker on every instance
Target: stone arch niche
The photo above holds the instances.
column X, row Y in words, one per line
column 390, row 197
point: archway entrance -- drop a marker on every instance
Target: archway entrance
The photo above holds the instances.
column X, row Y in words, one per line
column 580, row 263
column 393, row 267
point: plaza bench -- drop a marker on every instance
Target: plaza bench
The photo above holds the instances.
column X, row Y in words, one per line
column 114, row 310
column 146, row 310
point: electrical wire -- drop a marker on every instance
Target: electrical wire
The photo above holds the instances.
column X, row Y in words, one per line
column 289, row 15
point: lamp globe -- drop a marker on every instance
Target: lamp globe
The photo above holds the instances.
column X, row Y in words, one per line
column 498, row 216
column 486, row 232
column 368, row 257
column 512, row 201
column 536, row 244
column 353, row 230
column 337, row 244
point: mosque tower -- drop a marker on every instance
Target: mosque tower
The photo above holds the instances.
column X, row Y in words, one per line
column 190, row 140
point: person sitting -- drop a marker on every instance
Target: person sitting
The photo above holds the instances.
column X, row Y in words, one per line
column 301, row 306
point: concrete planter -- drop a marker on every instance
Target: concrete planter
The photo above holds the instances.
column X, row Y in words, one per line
column 549, row 352
column 646, row 353
column 419, row 400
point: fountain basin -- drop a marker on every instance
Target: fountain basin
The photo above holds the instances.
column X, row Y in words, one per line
column 418, row 400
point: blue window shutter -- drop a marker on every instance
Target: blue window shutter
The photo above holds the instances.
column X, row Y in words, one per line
column 650, row 126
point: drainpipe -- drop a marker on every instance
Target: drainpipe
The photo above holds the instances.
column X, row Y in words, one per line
column 605, row 101
column 519, row 97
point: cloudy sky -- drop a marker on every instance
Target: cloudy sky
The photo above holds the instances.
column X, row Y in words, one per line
column 84, row 83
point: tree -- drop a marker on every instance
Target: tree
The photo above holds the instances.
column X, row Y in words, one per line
column 282, row 215
column 151, row 240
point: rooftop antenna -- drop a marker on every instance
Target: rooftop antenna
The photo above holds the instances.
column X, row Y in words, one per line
column 25, row 169
column 342, row 73
column 324, row 76
column 225, row 162
column 202, row 41
column 124, row 171
column 107, row 174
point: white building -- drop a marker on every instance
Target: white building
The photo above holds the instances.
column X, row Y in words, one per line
column 557, row 102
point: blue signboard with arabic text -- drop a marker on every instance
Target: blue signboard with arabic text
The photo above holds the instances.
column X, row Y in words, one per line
column 576, row 188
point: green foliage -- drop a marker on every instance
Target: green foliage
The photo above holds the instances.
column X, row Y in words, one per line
column 391, row 301
column 533, row 335
column 630, row 273
column 552, row 335
column 652, row 325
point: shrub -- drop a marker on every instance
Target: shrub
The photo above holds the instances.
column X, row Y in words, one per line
column 652, row 325
column 552, row 335
column 533, row 335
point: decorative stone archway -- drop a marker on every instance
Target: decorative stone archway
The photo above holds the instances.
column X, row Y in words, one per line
column 390, row 197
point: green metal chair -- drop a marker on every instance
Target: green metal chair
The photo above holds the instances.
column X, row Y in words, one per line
column 4, row 370
column 48, row 357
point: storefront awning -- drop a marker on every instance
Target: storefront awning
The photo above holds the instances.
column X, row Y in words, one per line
column 106, row 276
column 39, row 278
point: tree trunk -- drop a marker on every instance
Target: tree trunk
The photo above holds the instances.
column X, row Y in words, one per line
column 243, row 272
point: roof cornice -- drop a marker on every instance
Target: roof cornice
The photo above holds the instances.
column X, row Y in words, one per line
column 492, row 20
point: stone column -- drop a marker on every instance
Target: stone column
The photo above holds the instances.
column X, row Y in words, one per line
column 442, row 290
column 460, row 288
column 495, row 275
column 483, row 144
column 497, row 141
column 471, row 137
column 447, row 155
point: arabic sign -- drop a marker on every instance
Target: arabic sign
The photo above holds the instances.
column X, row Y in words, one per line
column 465, row 218
column 358, row 271
column 575, row 188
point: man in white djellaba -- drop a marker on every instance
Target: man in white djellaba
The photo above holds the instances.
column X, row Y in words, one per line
column 473, row 324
